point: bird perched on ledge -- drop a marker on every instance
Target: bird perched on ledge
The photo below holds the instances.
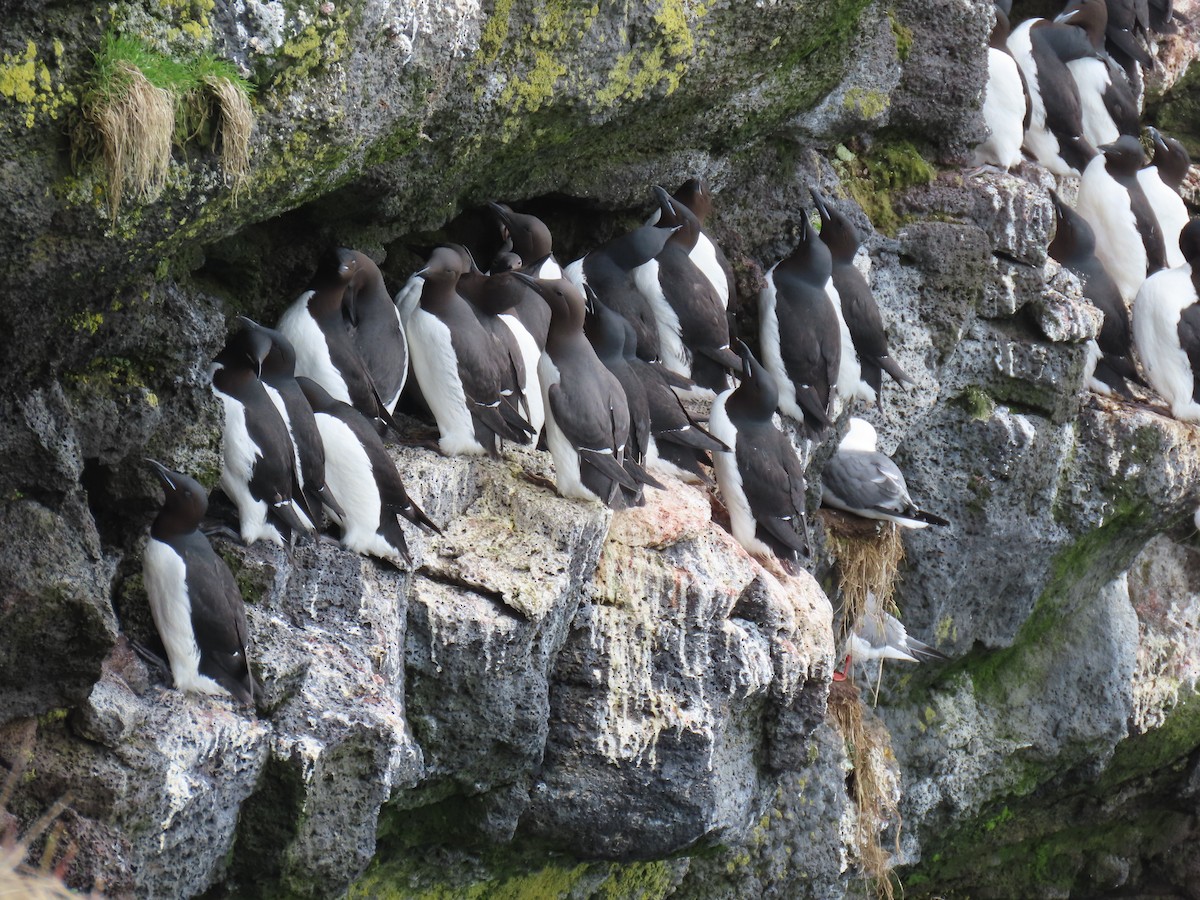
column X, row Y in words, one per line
column 860, row 480
column 193, row 596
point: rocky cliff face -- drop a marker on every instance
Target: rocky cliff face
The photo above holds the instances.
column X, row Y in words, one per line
column 556, row 700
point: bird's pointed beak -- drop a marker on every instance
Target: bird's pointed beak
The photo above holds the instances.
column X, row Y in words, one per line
column 163, row 473
column 822, row 206
column 744, row 353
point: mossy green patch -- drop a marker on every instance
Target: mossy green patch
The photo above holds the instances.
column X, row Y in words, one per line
column 977, row 403
column 903, row 35
column 1177, row 113
column 414, row 845
column 867, row 104
column 873, row 176
column 1168, row 745
column 1085, row 565
column 111, row 374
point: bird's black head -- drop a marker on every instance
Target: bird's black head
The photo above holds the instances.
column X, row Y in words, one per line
column 1074, row 239
column 505, row 261
column 837, row 231
column 529, row 235
column 1123, row 156
column 696, row 196
column 281, row 359
column 755, row 399
column 1090, row 15
column 446, row 265
column 1189, row 244
column 811, row 261
column 184, row 504
column 564, row 299
column 1170, row 158
column 246, row 348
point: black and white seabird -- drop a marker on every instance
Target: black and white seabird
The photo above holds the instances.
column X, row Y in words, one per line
column 859, row 309
column 587, row 414
column 361, row 472
column 860, row 480
column 605, row 331
column 278, row 374
column 624, row 274
column 376, row 328
column 258, row 469
column 1108, row 107
column 1166, row 329
column 194, row 598
column 679, row 445
column 534, row 246
column 800, row 332
column 460, row 366
column 325, row 350
column 692, row 326
column 494, row 298
column 1126, row 36
column 1128, row 239
column 760, row 476
column 1054, row 134
column 1005, row 102
column 705, row 253
column 1074, row 246
column 1160, row 182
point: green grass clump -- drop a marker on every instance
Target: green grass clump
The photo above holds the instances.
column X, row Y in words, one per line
column 139, row 102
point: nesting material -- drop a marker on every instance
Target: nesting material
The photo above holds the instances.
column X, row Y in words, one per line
column 873, row 784
column 868, row 554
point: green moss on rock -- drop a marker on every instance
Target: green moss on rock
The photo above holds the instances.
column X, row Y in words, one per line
column 874, row 176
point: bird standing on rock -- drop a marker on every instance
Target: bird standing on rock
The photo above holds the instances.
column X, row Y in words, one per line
column 1074, row 246
column 325, row 350
column 278, row 374
column 760, row 476
column 459, row 365
column 376, row 328
column 193, row 596
column 1166, row 329
column 859, row 309
column 690, row 304
column 363, row 474
column 258, row 465
column 587, row 414
column 1129, row 240
column 800, row 333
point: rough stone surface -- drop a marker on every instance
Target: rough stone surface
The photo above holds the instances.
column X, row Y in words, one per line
column 556, row 700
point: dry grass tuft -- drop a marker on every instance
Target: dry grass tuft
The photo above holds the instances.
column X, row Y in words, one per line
column 869, row 749
column 135, row 127
column 235, row 127
column 139, row 101
column 18, row 878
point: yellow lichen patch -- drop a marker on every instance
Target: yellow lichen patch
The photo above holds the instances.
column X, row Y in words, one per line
column 639, row 71
column 868, row 104
column 25, row 80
